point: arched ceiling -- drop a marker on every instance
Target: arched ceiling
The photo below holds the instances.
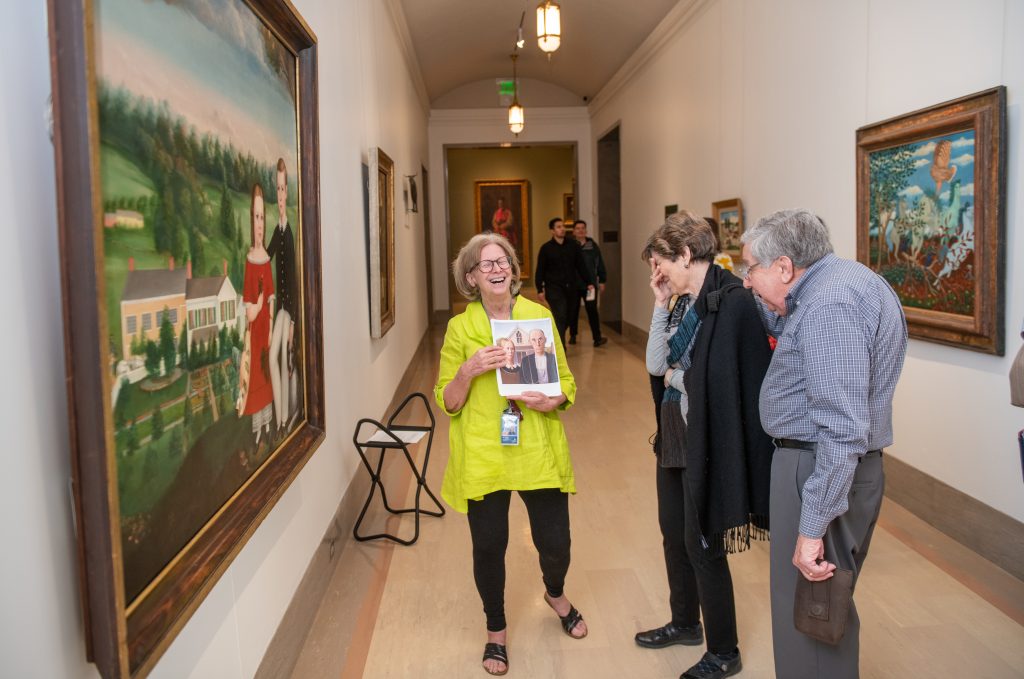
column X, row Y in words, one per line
column 462, row 41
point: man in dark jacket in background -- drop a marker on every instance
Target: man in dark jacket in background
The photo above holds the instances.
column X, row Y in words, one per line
column 595, row 265
column 560, row 273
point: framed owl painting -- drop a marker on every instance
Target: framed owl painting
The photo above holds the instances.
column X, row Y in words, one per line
column 931, row 217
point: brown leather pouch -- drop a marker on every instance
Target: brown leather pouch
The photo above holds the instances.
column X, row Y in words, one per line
column 821, row 608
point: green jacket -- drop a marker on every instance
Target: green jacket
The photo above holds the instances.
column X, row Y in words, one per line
column 477, row 462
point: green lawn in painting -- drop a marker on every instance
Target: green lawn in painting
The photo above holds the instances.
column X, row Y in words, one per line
column 121, row 178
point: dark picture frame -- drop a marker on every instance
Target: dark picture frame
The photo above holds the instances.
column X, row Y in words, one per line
column 410, row 193
column 382, row 243
column 127, row 631
column 729, row 215
column 931, row 218
column 569, row 208
column 514, row 195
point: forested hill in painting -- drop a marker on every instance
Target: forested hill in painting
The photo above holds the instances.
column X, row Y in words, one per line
column 181, row 167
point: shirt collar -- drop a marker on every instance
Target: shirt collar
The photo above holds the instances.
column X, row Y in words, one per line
column 793, row 298
column 283, row 225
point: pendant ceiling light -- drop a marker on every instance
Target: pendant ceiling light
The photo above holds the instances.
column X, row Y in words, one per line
column 516, row 114
column 549, row 26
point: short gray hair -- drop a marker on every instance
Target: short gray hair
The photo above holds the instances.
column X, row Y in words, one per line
column 469, row 257
column 798, row 234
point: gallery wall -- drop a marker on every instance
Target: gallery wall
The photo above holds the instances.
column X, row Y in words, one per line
column 761, row 100
column 550, row 170
column 368, row 97
column 487, row 127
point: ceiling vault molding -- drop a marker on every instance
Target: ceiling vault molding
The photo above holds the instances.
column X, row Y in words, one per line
column 669, row 27
column 397, row 15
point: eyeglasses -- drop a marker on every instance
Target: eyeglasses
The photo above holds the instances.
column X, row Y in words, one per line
column 487, row 265
column 746, row 271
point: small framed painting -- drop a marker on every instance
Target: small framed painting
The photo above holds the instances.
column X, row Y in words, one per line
column 729, row 215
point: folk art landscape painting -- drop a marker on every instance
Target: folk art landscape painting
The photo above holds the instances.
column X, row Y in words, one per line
column 921, row 232
column 198, row 156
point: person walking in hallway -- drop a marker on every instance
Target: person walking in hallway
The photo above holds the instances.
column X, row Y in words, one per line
column 713, row 457
column 595, row 266
column 484, row 467
column 560, row 273
column 827, row 401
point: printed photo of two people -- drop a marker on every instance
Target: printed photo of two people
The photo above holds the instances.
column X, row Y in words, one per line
column 530, row 360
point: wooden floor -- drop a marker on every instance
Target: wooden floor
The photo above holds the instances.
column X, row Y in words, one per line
column 423, row 617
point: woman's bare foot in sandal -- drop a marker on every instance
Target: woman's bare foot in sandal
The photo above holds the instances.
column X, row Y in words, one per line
column 496, row 659
column 572, row 621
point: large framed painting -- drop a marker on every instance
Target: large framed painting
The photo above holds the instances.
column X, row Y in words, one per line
column 502, row 207
column 382, row 243
column 729, row 215
column 931, row 193
column 186, row 145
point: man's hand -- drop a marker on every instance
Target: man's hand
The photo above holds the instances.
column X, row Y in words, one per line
column 809, row 558
column 534, row 400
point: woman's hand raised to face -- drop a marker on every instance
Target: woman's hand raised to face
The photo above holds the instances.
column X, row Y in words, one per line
column 660, row 287
column 486, row 358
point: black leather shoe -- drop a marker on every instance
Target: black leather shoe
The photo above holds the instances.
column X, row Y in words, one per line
column 713, row 666
column 600, row 340
column 670, row 634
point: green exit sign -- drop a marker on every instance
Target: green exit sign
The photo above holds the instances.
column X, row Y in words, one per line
column 506, row 88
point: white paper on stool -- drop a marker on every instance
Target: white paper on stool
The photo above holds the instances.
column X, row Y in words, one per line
column 403, row 435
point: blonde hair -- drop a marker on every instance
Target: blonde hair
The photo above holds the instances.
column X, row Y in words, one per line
column 469, row 257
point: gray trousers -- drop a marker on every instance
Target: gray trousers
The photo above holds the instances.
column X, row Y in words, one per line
column 798, row 656
column 279, row 381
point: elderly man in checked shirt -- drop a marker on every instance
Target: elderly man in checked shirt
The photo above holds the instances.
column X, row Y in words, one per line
column 827, row 402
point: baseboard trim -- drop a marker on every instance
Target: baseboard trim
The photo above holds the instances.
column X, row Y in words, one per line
column 972, row 523
column 982, row 529
column 283, row 652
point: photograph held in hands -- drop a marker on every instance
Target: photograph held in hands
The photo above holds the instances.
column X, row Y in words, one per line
column 530, row 360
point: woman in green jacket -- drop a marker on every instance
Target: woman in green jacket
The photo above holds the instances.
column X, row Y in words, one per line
column 482, row 472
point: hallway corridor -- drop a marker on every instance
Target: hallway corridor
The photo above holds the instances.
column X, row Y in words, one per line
column 917, row 619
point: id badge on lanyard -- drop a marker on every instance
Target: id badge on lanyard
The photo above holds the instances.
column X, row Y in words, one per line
column 510, row 419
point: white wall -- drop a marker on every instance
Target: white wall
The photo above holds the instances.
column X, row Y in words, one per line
column 761, row 100
column 489, row 127
column 367, row 97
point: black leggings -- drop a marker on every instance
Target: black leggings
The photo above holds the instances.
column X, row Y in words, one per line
column 697, row 581
column 548, row 509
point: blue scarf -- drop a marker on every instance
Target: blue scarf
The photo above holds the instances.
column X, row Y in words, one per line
column 680, row 345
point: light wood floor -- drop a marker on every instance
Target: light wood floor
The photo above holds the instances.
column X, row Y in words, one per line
column 424, row 618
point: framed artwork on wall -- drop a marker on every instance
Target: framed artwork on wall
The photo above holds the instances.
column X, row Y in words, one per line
column 671, row 210
column 568, row 208
column 729, row 215
column 186, row 142
column 502, row 206
column 382, row 243
column 931, row 193
column 410, row 193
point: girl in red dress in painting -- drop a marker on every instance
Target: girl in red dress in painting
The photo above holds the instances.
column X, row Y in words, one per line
column 258, row 296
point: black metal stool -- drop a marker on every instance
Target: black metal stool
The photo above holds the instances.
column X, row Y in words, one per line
column 394, row 442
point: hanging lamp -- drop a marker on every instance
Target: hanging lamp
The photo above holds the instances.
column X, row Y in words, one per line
column 549, row 26
column 516, row 114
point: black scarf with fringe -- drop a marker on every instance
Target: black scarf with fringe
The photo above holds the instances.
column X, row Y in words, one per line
column 728, row 454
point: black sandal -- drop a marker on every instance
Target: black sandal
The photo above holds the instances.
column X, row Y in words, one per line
column 497, row 652
column 569, row 620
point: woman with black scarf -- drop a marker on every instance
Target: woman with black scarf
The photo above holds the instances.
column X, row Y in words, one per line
column 714, row 460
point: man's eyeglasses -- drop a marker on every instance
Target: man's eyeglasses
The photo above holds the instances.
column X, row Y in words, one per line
column 487, row 265
column 747, row 270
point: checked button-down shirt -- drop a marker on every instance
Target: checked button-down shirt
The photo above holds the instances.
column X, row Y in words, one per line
column 840, row 351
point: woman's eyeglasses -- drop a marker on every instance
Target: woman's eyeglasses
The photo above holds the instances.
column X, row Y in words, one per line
column 488, row 265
